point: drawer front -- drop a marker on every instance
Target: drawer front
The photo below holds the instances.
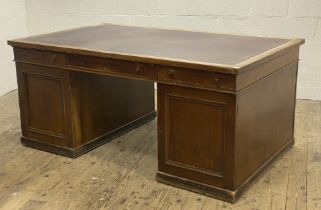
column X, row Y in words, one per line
column 196, row 78
column 39, row 57
column 189, row 77
column 112, row 66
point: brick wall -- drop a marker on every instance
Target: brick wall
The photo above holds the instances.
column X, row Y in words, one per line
column 278, row 18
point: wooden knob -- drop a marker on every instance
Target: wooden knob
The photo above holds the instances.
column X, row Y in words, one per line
column 139, row 68
column 171, row 73
column 216, row 80
column 55, row 57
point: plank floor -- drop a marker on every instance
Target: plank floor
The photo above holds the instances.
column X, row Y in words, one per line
column 121, row 173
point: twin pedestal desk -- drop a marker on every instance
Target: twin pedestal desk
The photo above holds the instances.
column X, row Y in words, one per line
column 225, row 103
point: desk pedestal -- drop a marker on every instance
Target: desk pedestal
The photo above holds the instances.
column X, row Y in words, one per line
column 216, row 143
column 70, row 112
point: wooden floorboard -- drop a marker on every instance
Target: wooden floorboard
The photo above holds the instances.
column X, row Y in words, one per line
column 121, row 173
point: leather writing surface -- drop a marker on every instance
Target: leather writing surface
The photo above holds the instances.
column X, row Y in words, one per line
column 179, row 45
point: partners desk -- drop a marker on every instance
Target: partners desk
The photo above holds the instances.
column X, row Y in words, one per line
column 225, row 103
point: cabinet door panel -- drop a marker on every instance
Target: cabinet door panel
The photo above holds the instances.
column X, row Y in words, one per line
column 195, row 133
column 44, row 104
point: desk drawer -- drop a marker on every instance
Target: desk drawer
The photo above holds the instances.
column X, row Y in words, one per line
column 196, row 78
column 39, row 57
column 116, row 67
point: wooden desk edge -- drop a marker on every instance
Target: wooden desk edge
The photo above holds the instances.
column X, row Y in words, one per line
column 267, row 55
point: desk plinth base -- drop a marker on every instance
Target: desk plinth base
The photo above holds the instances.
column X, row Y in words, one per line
column 73, row 153
column 220, row 193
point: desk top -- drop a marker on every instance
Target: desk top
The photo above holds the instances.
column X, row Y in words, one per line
column 229, row 53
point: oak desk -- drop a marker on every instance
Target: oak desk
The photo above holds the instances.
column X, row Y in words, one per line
column 225, row 102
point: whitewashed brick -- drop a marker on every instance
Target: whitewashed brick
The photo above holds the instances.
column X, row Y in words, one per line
column 308, row 78
column 226, row 7
column 39, row 6
column 205, row 24
column 67, row 21
column 51, row 23
column 305, row 8
column 138, row 7
column 51, row 7
column 11, row 28
column 6, row 52
column 75, row 7
column 97, row 7
column 248, row 26
column 317, row 36
column 269, row 8
column 310, row 57
column 291, row 27
column 11, row 8
column 309, row 75
column 113, row 19
column 171, row 22
column 182, row 7
column 37, row 27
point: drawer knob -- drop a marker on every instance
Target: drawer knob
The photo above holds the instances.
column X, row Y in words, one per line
column 216, row 80
column 139, row 68
column 171, row 73
column 55, row 58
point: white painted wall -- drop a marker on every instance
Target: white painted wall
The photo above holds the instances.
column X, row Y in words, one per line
column 12, row 25
column 278, row 18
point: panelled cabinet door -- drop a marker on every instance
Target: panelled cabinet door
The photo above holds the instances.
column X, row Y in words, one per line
column 44, row 102
column 195, row 133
